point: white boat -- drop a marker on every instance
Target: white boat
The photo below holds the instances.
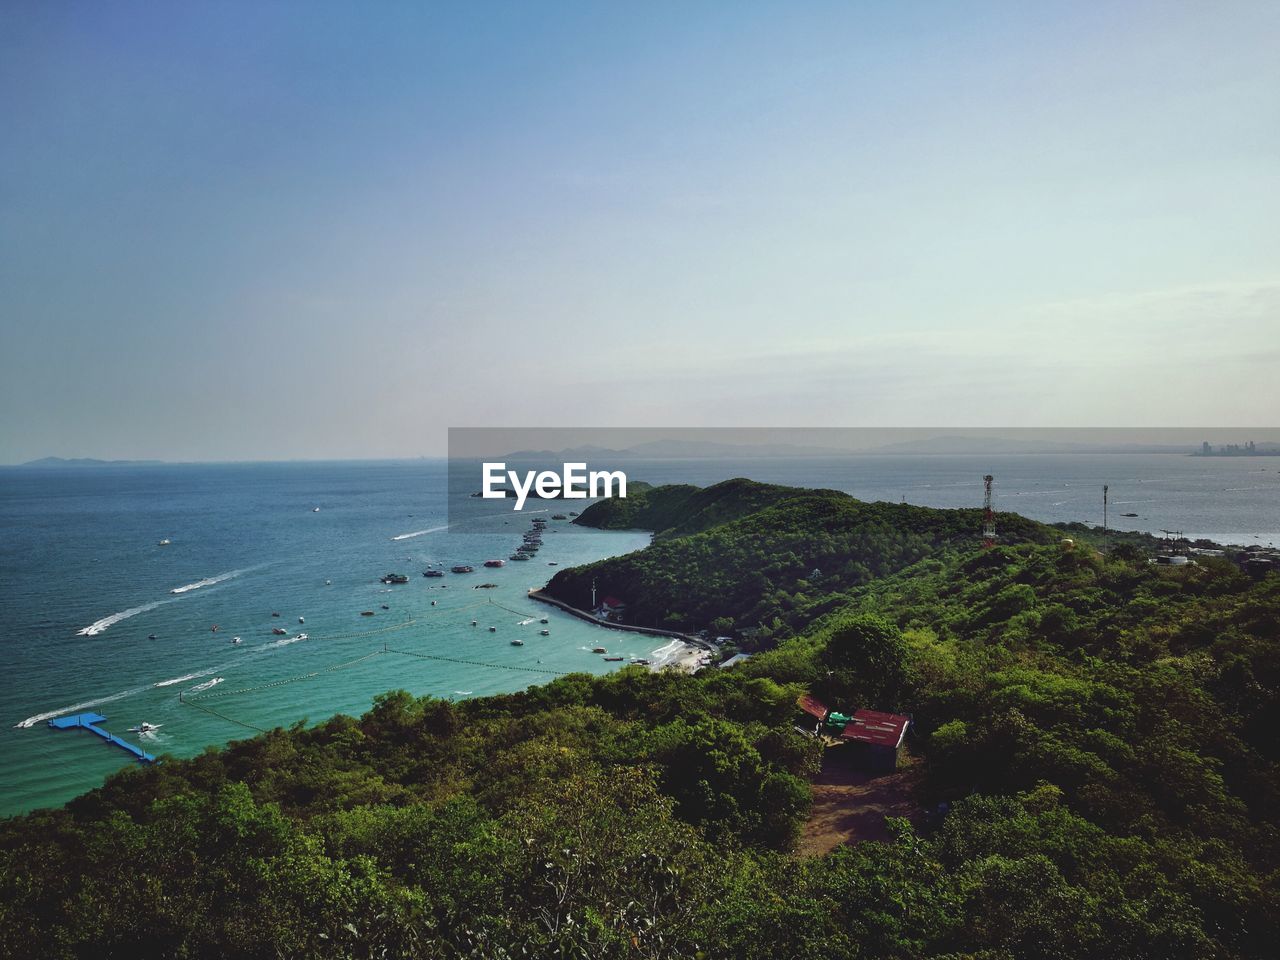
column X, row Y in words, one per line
column 302, row 619
column 145, row 727
column 235, row 640
column 163, row 543
column 302, row 636
column 315, row 509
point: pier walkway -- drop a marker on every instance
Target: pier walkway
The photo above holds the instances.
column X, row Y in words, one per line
column 90, row 721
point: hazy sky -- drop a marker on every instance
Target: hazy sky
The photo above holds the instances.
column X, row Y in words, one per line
column 269, row 230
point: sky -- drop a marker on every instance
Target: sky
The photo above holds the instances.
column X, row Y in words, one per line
column 263, row 230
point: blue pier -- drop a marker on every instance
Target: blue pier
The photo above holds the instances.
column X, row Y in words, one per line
column 90, row 721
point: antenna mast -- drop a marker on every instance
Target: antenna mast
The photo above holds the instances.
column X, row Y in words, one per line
column 1104, row 518
column 988, row 516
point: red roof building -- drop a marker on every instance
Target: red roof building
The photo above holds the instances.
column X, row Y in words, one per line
column 813, row 706
column 876, row 728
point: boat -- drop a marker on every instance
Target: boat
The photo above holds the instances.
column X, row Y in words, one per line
column 151, row 636
column 552, row 563
column 614, row 659
column 573, row 513
column 495, row 563
column 315, row 509
column 478, row 586
column 235, row 640
column 214, row 628
column 163, row 543
column 302, row 636
column 463, row 568
column 433, row 573
column 517, row 643
column 274, row 613
column 279, row 631
column 475, row 623
column 493, row 629
column 599, row 650
column 385, row 607
column 558, row 516
column 545, row 633
column 394, row 578
column 302, row 620
column 1128, row 514
column 145, row 727
column 544, row 620
column 640, row 660
column 366, row 613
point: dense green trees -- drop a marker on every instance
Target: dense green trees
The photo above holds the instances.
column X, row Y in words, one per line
column 1097, row 737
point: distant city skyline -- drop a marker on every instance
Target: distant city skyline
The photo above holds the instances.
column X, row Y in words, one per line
column 240, row 231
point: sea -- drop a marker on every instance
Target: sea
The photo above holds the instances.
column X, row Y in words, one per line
column 98, row 614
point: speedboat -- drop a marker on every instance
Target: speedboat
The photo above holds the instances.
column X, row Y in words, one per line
column 163, row 543
column 315, row 509
column 517, row 643
column 302, row 636
column 145, row 727
column 599, row 650
column 151, row 636
column 302, row 619
column 235, row 640
column 545, row 633
column 279, row 631
column 462, row 568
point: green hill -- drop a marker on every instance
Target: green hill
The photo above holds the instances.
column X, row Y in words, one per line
column 745, row 554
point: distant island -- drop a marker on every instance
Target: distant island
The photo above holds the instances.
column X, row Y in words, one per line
column 74, row 462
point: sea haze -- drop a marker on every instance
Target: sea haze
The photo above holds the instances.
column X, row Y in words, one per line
column 84, row 582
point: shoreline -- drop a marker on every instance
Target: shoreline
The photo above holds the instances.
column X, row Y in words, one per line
column 683, row 651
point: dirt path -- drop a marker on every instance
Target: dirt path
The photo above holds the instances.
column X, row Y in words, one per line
column 849, row 806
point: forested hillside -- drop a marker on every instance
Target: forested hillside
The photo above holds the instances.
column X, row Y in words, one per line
column 745, row 554
column 1097, row 737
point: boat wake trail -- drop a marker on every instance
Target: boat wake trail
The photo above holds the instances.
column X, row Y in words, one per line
column 419, row 533
column 206, row 685
column 77, row 707
column 207, row 582
column 95, row 628
column 185, row 677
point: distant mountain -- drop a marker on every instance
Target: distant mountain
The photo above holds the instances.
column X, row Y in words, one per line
column 680, row 450
column 63, row 462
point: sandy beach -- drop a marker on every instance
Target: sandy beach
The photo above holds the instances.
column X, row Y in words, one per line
column 679, row 655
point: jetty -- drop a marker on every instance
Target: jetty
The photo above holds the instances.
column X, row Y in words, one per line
column 90, row 721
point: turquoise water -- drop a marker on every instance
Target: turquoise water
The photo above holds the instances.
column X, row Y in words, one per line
column 80, row 553
column 83, row 583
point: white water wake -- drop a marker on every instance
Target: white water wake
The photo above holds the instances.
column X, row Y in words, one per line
column 206, row 685
column 77, row 707
column 185, row 677
column 95, row 628
column 207, row 582
column 419, row 533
